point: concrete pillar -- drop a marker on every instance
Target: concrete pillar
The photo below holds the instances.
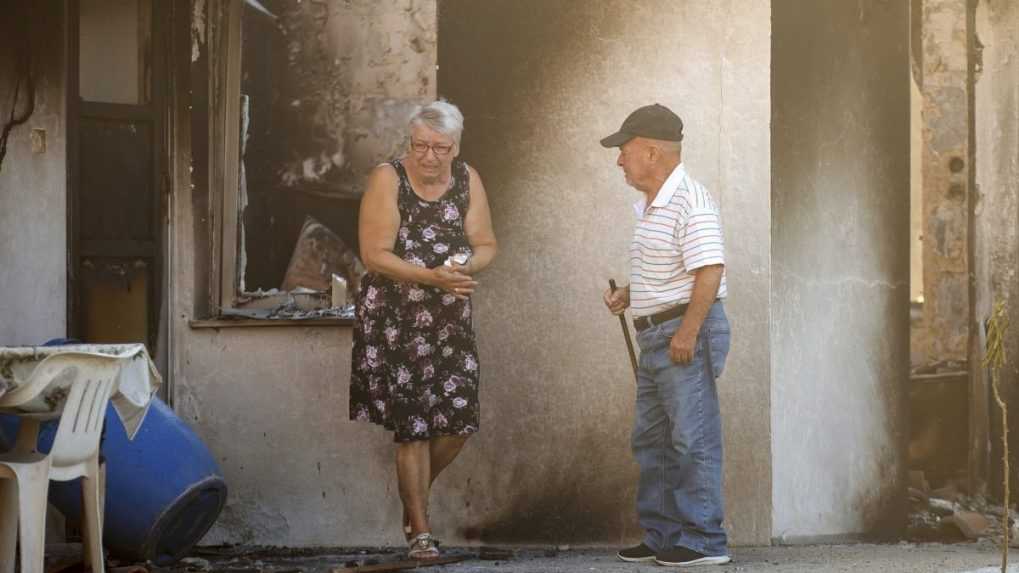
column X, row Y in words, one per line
column 997, row 155
column 840, row 254
column 996, row 213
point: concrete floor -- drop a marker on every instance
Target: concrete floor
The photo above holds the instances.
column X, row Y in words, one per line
column 982, row 557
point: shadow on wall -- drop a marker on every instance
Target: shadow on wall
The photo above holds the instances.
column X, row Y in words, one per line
column 561, row 506
column 523, row 73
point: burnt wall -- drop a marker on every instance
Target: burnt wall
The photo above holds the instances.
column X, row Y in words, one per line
column 540, row 83
column 271, row 402
column 327, row 88
column 33, row 177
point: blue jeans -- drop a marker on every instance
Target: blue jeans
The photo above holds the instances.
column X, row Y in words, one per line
column 677, row 439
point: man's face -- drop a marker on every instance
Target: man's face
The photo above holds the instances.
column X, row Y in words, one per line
column 431, row 151
column 636, row 163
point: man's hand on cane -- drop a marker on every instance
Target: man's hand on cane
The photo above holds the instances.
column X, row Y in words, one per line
column 618, row 300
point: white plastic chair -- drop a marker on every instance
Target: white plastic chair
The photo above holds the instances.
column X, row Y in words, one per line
column 25, row 473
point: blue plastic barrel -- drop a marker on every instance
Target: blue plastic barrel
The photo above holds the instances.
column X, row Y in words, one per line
column 8, row 429
column 164, row 490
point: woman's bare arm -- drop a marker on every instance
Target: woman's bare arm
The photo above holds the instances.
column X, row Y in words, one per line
column 378, row 225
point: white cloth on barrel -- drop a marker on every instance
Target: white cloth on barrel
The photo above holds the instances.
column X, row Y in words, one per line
column 139, row 379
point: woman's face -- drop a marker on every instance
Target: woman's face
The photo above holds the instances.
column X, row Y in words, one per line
column 432, row 152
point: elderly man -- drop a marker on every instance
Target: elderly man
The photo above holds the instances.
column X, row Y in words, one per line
column 677, row 283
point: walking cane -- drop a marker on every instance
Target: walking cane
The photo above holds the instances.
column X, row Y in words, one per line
column 626, row 334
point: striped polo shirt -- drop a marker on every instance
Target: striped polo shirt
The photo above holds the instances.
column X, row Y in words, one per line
column 679, row 232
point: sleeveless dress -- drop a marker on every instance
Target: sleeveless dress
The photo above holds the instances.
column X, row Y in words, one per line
column 414, row 365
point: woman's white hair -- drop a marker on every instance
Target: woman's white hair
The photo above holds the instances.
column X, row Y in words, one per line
column 441, row 116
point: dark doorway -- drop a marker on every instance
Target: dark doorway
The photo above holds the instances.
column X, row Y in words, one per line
column 116, row 72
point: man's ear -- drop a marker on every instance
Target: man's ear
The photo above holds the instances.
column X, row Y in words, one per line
column 653, row 153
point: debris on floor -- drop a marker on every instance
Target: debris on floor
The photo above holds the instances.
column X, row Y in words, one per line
column 127, row 569
column 401, row 565
column 495, row 554
column 248, row 559
column 902, row 557
column 948, row 515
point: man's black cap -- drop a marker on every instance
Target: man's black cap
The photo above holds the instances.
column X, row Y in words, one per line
column 652, row 121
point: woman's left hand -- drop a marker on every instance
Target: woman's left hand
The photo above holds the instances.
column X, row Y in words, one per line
column 453, row 281
column 462, row 269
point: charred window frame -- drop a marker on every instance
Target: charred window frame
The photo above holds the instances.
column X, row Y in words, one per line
column 224, row 144
column 227, row 108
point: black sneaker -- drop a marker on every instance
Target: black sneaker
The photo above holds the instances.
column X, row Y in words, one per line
column 638, row 554
column 683, row 557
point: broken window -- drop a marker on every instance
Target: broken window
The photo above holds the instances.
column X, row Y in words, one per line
column 305, row 98
column 295, row 232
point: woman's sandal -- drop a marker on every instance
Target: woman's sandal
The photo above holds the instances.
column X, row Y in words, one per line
column 423, row 547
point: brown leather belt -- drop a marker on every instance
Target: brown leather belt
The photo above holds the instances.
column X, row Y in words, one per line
column 644, row 322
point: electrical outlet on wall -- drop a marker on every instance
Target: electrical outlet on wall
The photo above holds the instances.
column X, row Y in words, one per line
column 38, row 138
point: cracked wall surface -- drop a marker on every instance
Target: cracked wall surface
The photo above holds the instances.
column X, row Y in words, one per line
column 840, row 260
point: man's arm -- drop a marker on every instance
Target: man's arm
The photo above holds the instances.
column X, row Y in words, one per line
column 705, row 290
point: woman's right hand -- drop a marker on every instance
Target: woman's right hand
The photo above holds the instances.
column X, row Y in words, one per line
column 452, row 281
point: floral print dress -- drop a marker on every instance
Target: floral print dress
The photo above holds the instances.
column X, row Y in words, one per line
column 415, row 360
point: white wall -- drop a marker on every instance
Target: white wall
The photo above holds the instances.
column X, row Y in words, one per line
column 840, row 255
column 33, row 187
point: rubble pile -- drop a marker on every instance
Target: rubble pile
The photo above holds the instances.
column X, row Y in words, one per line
column 948, row 515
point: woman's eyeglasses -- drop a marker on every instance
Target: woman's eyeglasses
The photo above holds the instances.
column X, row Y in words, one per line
column 421, row 148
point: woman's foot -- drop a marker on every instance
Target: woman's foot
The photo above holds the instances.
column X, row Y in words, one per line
column 408, row 532
column 423, row 547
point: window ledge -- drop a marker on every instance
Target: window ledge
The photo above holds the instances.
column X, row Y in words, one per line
column 253, row 322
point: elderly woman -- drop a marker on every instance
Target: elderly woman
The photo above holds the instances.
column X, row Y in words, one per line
column 425, row 232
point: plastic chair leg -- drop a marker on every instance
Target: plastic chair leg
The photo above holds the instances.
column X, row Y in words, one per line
column 8, row 523
column 102, row 494
column 33, row 485
column 91, row 519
